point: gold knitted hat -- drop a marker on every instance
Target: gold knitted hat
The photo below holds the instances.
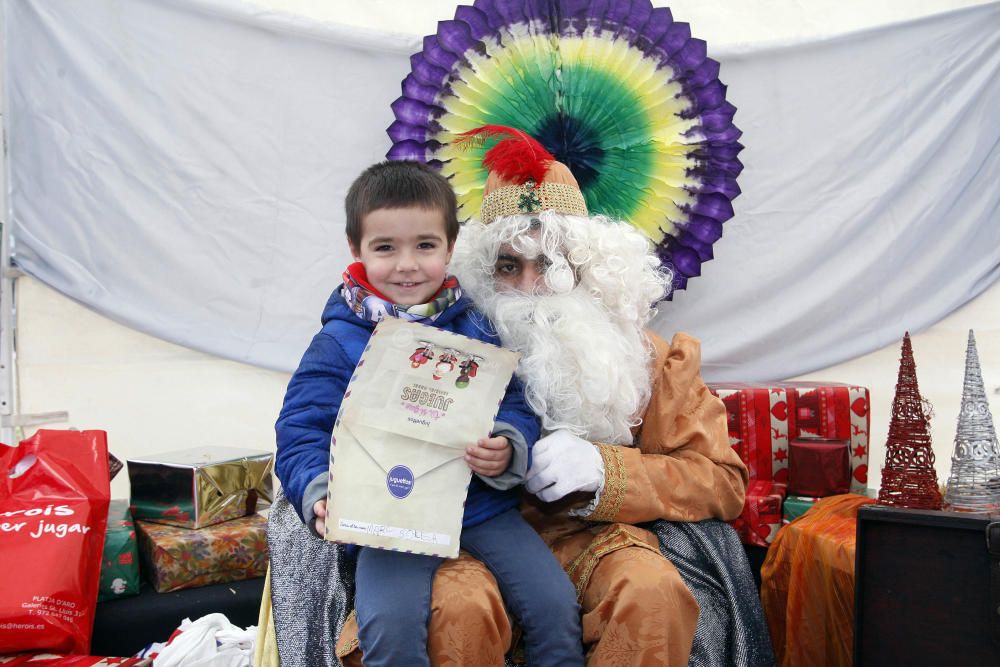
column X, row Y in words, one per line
column 523, row 177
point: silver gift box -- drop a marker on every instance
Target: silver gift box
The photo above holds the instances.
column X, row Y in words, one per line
column 194, row 488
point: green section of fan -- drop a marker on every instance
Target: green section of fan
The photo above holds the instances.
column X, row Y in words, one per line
column 611, row 113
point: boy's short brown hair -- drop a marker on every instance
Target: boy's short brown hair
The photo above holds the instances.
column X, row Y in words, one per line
column 400, row 184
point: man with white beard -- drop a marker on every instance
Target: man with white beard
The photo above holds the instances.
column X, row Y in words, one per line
column 579, row 325
column 631, row 426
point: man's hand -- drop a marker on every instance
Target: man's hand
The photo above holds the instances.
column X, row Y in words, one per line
column 319, row 507
column 490, row 456
column 563, row 463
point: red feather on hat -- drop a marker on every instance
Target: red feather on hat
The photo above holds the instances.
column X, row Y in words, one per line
column 517, row 158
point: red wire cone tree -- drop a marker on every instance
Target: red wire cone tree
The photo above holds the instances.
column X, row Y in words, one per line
column 909, row 478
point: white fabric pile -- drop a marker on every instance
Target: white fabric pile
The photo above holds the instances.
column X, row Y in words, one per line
column 210, row 641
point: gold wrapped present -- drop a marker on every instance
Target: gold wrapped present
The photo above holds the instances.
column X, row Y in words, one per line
column 176, row 558
column 194, row 488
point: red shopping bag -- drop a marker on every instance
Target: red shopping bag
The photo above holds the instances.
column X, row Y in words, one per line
column 54, row 493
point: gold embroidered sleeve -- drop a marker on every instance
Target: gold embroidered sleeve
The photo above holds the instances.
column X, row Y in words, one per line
column 615, row 481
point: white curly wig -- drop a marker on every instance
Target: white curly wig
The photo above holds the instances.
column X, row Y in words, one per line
column 585, row 358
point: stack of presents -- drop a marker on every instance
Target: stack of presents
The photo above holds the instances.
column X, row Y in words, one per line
column 801, row 441
column 194, row 519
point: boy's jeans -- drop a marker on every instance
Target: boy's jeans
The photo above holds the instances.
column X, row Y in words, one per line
column 393, row 596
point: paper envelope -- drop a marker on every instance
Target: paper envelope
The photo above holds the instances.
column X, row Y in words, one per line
column 419, row 397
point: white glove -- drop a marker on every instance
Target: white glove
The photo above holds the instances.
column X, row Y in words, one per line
column 562, row 463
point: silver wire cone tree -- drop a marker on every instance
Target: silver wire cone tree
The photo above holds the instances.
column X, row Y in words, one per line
column 974, row 483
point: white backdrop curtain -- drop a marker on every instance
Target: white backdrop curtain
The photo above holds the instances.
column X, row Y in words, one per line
column 180, row 166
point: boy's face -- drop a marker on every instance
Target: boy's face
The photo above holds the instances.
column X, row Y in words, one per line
column 405, row 252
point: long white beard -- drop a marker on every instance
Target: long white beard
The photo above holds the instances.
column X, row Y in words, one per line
column 582, row 370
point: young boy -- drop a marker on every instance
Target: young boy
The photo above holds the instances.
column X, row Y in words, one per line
column 401, row 229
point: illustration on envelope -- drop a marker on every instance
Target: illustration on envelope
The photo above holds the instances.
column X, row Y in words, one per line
column 418, row 398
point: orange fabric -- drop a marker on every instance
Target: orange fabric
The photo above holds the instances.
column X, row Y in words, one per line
column 684, row 468
column 807, row 585
column 347, row 644
column 637, row 610
column 469, row 625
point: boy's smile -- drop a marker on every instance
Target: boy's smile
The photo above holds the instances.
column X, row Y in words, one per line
column 405, row 252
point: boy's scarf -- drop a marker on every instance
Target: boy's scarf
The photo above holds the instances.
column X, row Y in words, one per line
column 368, row 304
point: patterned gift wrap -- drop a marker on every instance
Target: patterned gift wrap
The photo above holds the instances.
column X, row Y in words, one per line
column 194, row 488
column 761, row 517
column 763, row 419
column 174, row 558
column 120, row 562
column 759, row 419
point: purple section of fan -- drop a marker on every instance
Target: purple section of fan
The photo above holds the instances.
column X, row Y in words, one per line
column 654, row 32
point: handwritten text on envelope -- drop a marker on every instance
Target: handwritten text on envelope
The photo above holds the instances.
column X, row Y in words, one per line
column 418, row 398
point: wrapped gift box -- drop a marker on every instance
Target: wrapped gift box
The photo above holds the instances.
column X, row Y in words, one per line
column 795, row 506
column 819, row 467
column 194, row 488
column 114, row 465
column 836, row 411
column 761, row 517
column 763, row 419
column 174, row 558
column 120, row 562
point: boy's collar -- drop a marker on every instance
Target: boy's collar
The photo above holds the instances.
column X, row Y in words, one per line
column 369, row 304
column 360, row 276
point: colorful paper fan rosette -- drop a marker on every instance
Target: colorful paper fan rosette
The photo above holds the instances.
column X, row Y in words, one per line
column 618, row 91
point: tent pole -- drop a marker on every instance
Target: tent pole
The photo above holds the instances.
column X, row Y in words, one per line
column 7, row 384
column 11, row 420
column 8, row 394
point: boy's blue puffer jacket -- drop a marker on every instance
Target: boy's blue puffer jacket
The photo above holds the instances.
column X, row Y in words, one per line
column 317, row 387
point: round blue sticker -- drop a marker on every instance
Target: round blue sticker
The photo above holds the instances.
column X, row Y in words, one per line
column 400, row 481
